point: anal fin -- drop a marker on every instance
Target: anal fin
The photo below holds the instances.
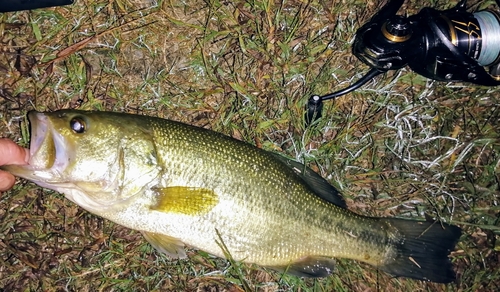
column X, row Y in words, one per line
column 171, row 246
column 311, row 267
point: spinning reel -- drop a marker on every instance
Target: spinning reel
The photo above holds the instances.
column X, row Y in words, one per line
column 448, row 45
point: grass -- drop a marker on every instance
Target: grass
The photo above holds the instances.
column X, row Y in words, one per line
column 400, row 146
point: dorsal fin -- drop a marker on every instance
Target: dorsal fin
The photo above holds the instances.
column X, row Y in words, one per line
column 319, row 185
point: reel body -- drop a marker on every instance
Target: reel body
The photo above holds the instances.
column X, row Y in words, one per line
column 450, row 45
column 447, row 45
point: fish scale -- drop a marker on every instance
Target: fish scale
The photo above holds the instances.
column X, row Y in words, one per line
column 182, row 185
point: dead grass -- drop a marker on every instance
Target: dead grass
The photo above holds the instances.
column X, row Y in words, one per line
column 400, row 146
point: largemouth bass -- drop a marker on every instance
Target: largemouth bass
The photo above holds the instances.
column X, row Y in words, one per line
column 182, row 185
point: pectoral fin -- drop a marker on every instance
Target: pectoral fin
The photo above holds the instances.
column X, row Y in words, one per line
column 171, row 246
column 185, row 200
column 312, row 267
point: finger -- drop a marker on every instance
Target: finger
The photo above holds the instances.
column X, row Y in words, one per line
column 11, row 153
column 7, row 180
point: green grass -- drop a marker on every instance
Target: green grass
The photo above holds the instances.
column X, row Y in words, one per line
column 400, row 146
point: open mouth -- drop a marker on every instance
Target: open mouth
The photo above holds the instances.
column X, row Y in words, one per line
column 48, row 157
column 47, row 146
column 42, row 147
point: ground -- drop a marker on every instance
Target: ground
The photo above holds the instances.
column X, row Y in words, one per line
column 402, row 145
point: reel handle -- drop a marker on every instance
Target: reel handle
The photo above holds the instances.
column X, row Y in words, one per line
column 315, row 103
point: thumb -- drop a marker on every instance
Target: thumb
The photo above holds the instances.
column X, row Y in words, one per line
column 11, row 153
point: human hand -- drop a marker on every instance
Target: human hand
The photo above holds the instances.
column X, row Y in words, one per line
column 10, row 153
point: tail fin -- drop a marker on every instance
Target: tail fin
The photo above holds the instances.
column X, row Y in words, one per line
column 422, row 250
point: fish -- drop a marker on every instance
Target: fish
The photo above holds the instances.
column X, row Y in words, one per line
column 184, row 186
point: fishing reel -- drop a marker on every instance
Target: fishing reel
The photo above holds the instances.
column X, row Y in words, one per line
column 448, row 45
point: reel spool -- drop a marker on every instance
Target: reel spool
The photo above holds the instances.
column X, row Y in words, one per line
column 448, row 45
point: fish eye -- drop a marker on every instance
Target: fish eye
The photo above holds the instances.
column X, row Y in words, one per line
column 78, row 125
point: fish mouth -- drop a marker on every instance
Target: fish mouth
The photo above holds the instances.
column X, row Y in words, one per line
column 48, row 156
column 42, row 146
column 48, row 149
